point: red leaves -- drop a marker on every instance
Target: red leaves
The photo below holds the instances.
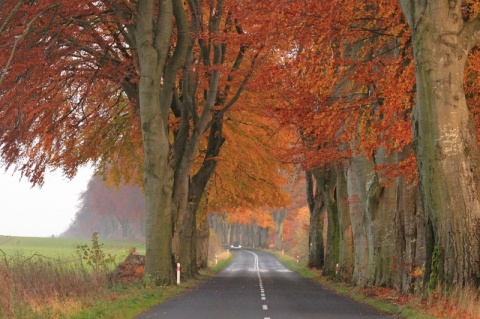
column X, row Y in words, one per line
column 344, row 79
column 62, row 92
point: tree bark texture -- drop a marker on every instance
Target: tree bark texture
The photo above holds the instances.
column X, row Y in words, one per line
column 346, row 251
column 316, row 251
column 203, row 235
column 445, row 140
column 326, row 181
column 357, row 174
column 153, row 45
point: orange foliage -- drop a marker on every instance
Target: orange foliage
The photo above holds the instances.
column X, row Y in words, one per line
column 344, row 78
column 340, row 74
column 63, row 100
column 296, row 227
column 259, row 217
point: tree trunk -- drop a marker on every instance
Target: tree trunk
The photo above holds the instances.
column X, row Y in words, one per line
column 357, row 173
column 153, row 46
column 278, row 219
column 346, row 252
column 381, row 212
column 326, row 182
column 203, row 235
column 316, row 251
column 264, row 241
column 445, row 140
column 410, row 236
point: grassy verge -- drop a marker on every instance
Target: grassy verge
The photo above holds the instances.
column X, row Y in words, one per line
column 385, row 300
column 133, row 300
column 37, row 286
column 123, row 303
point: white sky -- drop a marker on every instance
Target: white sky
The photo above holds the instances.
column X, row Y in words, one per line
column 39, row 212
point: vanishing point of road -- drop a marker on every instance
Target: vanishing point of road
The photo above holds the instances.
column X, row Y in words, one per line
column 257, row 286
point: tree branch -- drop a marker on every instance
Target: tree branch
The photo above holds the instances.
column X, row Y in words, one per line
column 20, row 38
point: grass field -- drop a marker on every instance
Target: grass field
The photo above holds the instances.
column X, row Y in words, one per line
column 45, row 278
column 64, row 248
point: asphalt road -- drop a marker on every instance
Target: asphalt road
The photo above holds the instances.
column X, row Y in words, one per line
column 257, row 286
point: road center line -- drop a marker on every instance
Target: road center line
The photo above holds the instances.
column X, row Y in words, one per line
column 255, row 262
column 257, row 268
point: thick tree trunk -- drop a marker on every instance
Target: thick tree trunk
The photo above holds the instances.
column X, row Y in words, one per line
column 357, row 175
column 155, row 96
column 316, row 251
column 346, row 252
column 158, row 181
column 326, row 183
column 445, row 140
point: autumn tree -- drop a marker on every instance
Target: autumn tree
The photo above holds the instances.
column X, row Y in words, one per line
column 354, row 132
column 108, row 45
column 248, row 184
column 446, row 144
column 86, row 50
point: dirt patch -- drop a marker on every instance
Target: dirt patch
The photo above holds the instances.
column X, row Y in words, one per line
column 129, row 271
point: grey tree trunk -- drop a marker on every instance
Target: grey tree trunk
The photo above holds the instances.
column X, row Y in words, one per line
column 410, row 236
column 278, row 219
column 153, row 45
column 445, row 140
column 326, row 183
column 346, row 251
column 357, row 175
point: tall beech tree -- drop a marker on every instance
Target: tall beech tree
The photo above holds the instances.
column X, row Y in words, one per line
column 109, row 44
column 153, row 32
column 86, row 48
column 445, row 138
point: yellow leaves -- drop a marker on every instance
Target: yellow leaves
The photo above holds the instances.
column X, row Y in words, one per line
column 248, row 172
column 259, row 217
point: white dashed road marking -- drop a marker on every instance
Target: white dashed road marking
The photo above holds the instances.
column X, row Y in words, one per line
column 262, row 291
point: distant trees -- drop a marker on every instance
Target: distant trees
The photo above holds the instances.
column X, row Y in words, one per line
column 113, row 212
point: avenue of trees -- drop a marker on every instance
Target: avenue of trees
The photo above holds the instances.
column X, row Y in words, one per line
column 207, row 105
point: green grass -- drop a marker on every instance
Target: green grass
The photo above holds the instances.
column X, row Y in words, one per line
column 131, row 301
column 79, row 297
column 223, row 260
column 62, row 247
column 137, row 299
